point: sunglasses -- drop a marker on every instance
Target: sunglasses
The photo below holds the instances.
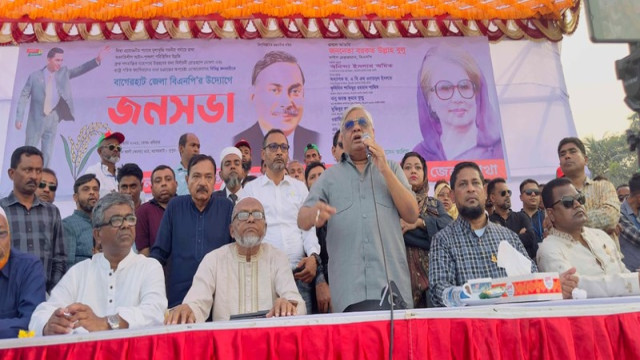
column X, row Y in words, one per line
column 43, row 185
column 362, row 122
column 567, row 200
column 532, row 192
column 504, row 193
column 273, row 147
column 113, row 147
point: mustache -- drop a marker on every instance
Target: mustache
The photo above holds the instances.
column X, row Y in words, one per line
column 113, row 159
column 202, row 188
column 291, row 111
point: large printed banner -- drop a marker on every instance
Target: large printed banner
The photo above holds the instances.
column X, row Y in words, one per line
column 433, row 96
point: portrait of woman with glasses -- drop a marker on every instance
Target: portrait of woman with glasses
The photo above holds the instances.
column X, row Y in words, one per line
column 457, row 119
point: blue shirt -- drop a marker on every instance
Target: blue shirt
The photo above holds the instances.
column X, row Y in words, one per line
column 627, row 212
column 22, row 288
column 181, row 179
column 629, row 236
column 537, row 220
column 78, row 237
column 185, row 236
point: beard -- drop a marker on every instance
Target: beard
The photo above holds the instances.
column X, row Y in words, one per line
column 85, row 206
column 232, row 181
column 248, row 241
column 471, row 212
column 246, row 166
column 277, row 166
column 113, row 159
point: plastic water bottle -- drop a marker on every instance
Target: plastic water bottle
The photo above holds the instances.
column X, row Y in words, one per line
column 451, row 296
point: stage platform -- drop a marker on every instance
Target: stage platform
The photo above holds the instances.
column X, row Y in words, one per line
column 568, row 329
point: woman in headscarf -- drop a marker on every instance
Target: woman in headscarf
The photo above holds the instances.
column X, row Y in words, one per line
column 457, row 120
column 442, row 192
column 417, row 236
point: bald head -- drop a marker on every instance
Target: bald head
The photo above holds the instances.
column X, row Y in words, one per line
column 246, row 204
column 248, row 225
column 5, row 239
column 3, row 219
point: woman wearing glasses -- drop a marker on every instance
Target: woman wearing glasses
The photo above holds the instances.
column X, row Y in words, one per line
column 457, row 120
column 417, row 236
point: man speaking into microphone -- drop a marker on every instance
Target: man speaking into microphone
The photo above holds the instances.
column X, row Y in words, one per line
column 362, row 198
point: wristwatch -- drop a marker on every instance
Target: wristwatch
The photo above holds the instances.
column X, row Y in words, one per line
column 113, row 321
column 317, row 257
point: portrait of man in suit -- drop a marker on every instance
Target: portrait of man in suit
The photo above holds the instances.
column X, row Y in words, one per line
column 278, row 97
column 48, row 92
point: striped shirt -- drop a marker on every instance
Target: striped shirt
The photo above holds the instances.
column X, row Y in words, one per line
column 458, row 254
column 38, row 231
column 602, row 206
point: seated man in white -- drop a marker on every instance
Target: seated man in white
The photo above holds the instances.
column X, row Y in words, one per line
column 115, row 289
column 594, row 255
column 242, row 277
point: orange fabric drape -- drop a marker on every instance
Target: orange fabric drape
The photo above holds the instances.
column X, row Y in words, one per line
column 110, row 10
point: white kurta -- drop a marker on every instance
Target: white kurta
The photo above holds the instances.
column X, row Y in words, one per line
column 599, row 267
column 226, row 281
column 135, row 291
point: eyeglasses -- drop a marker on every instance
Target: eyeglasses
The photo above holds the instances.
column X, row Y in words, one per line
column 273, row 147
column 43, row 185
column 244, row 215
column 567, row 200
column 117, row 221
column 112, row 147
column 504, row 193
column 532, row 192
column 444, row 89
column 362, row 122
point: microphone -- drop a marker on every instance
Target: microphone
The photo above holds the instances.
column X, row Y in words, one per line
column 367, row 136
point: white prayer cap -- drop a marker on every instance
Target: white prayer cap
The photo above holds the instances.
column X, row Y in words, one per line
column 228, row 151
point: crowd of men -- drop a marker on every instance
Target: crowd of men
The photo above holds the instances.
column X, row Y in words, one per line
column 302, row 238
